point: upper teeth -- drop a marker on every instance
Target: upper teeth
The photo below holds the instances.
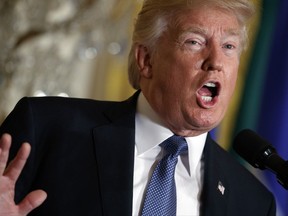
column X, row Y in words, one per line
column 210, row 84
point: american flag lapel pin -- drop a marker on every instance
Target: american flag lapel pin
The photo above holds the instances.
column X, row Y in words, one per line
column 221, row 188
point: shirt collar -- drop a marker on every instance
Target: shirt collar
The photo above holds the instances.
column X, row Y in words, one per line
column 150, row 132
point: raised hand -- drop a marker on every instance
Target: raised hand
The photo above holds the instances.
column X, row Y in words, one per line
column 8, row 178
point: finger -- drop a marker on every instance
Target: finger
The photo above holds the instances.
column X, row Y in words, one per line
column 5, row 143
column 16, row 165
column 32, row 201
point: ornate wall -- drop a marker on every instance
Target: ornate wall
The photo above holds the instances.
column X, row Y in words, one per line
column 75, row 48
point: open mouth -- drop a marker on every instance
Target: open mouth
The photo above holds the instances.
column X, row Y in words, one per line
column 208, row 93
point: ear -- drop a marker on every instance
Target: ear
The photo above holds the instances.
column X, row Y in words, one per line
column 143, row 59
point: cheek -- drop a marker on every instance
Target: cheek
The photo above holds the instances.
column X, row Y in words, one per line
column 233, row 80
column 169, row 75
column 231, row 77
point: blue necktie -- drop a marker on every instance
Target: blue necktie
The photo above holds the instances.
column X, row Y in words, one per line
column 161, row 191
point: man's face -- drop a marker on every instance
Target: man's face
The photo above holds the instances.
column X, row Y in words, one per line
column 191, row 76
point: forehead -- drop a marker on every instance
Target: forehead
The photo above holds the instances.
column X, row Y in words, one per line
column 206, row 20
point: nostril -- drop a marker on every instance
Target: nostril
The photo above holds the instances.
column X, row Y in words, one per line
column 213, row 67
column 212, row 64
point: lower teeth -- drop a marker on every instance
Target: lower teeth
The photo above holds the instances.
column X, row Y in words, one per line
column 206, row 98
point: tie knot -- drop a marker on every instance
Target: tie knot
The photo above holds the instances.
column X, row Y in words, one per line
column 175, row 145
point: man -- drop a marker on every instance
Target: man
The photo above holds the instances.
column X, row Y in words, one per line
column 96, row 158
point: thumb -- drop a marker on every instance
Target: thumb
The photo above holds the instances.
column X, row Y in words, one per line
column 32, row 201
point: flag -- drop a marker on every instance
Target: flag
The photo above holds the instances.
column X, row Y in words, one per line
column 264, row 104
column 273, row 112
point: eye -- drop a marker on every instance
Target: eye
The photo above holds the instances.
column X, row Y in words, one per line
column 193, row 42
column 229, row 46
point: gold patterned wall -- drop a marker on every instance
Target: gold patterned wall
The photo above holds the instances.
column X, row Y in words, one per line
column 75, row 48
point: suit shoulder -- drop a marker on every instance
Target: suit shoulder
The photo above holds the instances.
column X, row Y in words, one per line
column 63, row 104
column 63, row 101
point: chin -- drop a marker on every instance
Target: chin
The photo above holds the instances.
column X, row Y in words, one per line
column 210, row 119
column 207, row 125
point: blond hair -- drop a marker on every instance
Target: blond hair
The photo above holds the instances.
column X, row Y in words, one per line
column 155, row 15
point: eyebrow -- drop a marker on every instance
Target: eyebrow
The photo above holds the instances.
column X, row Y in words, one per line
column 204, row 32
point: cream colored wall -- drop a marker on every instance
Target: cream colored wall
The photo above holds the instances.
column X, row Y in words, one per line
column 77, row 48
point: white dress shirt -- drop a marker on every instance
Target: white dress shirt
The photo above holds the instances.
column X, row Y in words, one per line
column 150, row 132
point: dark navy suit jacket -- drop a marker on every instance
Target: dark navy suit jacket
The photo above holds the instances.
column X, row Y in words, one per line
column 83, row 154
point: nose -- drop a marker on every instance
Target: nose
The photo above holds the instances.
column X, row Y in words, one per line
column 213, row 60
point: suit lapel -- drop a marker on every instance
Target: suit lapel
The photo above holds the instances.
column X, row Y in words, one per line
column 114, row 149
column 215, row 188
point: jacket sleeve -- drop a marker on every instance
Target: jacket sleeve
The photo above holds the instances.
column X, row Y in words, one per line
column 19, row 124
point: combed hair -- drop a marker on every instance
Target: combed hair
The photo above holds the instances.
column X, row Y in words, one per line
column 155, row 15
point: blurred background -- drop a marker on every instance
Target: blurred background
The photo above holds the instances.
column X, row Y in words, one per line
column 75, row 48
column 79, row 48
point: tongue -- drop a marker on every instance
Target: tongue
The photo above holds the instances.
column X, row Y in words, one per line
column 204, row 91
